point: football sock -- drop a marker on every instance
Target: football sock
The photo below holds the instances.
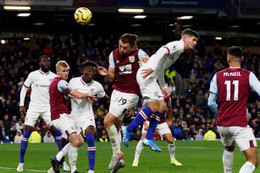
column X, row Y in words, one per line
column 248, row 167
column 58, row 136
column 23, row 145
column 171, row 149
column 91, row 151
column 63, row 152
column 113, row 135
column 153, row 124
column 138, row 150
column 73, row 155
column 140, row 118
column 227, row 161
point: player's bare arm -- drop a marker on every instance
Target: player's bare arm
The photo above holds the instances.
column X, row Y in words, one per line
column 109, row 74
column 79, row 95
column 22, row 111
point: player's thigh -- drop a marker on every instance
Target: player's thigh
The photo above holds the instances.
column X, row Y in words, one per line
column 65, row 124
column 32, row 116
column 122, row 102
column 226, row 135
column 245, row 138
column 164, row 131
column 150, row 90
column 46, row 115
column 86, row 121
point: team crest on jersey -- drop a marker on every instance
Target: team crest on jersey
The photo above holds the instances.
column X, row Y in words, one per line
column 156, row 93
column 92, row 90
column 132, row 59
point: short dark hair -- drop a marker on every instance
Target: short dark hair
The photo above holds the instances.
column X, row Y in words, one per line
column 89, row 63
column 129, row 38
column 235, row 51
column 190, row 32
column 44, row 56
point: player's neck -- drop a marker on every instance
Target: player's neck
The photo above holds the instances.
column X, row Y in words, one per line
column 235, row 65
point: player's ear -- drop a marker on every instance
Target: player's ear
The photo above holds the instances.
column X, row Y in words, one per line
column 242, row 58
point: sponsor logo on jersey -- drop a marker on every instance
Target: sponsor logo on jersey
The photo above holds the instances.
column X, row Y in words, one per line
column 125, row 69
column 132, row 59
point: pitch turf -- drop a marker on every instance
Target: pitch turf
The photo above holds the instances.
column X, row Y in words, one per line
column 196, row 157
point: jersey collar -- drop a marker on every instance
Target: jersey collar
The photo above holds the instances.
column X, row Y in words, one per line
column 43, row 72
column 84, row 83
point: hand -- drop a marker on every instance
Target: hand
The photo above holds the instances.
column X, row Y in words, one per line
column 144, row 60
column 102, row 71
column 91, row 98
column 166, row 93
column 146, row 72
column 145, row 126
column 22, row 111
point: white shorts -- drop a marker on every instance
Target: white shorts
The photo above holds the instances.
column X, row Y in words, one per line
column 33, row 114
column 149, row 87
column 121, row 103
column 65, row 124
column 162, row 128
column 82, row 122
column 243, row 136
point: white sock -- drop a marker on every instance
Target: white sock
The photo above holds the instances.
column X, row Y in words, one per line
column 227, row 161
column 73, row 156
column 171, row 149
column 113, row 135
column 138, row 150
column 63, row 152
column 248, row 167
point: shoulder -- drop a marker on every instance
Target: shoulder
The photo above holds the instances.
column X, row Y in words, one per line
column 176, row 45
column 97, row 84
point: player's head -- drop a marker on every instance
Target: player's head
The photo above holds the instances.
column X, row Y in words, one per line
column 127, row 43
column 45, row 63
column 235, row 55
column 190, row 38
column 89, row 70
column 62, row 69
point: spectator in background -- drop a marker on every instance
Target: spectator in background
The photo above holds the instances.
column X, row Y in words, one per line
column 14, row 120
column 199, row 136
column 48, row 138
column 18, row 137
column 35, row 138
column 19, row 125
column 210, row 135
column 12, row 133
column 7, row 124
column 103, row 137
column 2, row 131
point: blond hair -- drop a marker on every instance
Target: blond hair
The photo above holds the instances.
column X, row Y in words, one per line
column 63, row 64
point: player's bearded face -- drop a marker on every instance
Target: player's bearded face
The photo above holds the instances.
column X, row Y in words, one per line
column 124, row 48
column 45, row 65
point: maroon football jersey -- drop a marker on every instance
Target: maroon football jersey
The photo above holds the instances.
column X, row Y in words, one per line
column 57, row 100
column 125, row 71
column 233, row 91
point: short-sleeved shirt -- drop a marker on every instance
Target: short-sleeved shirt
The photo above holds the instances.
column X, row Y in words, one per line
column 232, row 86
column 39, row 83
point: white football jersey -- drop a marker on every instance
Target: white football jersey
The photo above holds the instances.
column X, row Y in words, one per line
column 39, row 83
column 163, row 59
column 83, row 106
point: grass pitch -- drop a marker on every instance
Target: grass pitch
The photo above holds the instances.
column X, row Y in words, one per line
column 196, row 157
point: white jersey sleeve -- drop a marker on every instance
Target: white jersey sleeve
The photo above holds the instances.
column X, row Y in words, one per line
column 111, row 60
column 213, row 85
column 63, row 85
column 100, row 91
column 157, row 57
column 254, row 83
column 28, row 81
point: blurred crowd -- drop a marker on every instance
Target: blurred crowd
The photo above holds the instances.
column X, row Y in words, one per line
column 188, row 81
